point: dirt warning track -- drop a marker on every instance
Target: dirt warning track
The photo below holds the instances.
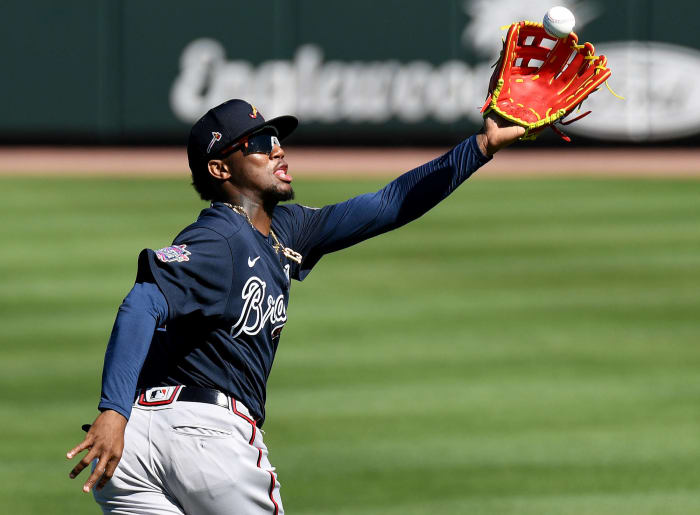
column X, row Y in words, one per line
column 356, row 162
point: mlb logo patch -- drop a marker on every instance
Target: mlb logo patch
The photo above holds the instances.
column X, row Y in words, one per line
column 174, row 253
column 158, row 396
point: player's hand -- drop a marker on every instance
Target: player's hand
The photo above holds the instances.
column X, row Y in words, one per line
column 104, row 441
column 497, row 133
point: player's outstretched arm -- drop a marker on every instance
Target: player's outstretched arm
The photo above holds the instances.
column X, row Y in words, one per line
column 406, row 198
column 497, row 133
column 105, row 442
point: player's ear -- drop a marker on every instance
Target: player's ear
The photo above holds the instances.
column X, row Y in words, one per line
column 218, row 170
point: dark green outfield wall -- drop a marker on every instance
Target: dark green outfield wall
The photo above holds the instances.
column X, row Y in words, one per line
column 401, row 71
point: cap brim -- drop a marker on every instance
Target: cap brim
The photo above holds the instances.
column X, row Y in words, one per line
column 284, row 125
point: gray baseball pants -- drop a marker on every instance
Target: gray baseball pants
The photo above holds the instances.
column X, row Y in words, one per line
column 192, row 458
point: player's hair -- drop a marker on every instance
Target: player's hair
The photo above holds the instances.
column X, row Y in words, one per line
column 208, row 187
column 205, row 185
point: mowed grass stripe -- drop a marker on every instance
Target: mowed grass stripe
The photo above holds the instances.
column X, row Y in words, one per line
column 529, row 346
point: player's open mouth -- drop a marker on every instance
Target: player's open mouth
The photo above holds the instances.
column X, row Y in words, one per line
column 281, row 174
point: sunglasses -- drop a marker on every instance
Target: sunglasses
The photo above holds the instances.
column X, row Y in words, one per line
column 259, row 143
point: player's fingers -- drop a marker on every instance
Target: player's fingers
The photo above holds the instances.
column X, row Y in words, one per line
column 96, row 473
column 84, row 462
column 108, row 473
column 80, row 447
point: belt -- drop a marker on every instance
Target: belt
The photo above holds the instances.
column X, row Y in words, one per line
column 164, row 395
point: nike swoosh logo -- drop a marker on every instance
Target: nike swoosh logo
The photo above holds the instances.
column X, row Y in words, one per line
column 251, row 262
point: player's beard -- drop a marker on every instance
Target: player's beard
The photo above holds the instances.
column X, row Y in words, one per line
column 287, row 196
column 276, row 195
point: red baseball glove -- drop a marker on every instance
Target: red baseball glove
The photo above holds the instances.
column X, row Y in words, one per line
column 536, row 86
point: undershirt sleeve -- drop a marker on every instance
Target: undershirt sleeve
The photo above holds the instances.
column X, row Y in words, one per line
column 143, row 309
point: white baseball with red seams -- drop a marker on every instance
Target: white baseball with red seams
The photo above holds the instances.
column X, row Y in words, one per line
column 559, row 21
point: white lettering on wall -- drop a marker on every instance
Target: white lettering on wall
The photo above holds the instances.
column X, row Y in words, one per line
column 326, row 91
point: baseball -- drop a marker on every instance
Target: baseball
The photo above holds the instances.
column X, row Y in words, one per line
column 559, row 22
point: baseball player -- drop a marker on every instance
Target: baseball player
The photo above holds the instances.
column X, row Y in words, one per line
column 185, row 371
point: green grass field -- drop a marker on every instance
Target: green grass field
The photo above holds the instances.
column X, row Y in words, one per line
column 528, row 347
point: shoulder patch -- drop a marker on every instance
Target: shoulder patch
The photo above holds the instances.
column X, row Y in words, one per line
column 178, row 253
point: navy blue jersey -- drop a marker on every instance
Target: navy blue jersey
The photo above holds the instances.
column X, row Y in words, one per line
column 227, row 288
column 227, row 291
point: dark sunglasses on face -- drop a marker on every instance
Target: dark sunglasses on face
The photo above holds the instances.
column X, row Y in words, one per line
column 259, row 143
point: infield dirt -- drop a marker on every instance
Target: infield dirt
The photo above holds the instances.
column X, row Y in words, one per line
column 358, row 162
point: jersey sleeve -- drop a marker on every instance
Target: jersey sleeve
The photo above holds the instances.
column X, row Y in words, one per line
column 314, row 232
column 194, row 273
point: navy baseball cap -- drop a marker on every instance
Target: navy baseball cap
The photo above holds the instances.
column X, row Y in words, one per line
column 224, row 125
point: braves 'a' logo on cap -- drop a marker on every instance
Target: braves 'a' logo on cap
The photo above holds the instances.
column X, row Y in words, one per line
column 254, row 114
column 215, row 136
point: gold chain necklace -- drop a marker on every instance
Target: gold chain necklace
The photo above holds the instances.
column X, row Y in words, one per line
column 277, row 246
